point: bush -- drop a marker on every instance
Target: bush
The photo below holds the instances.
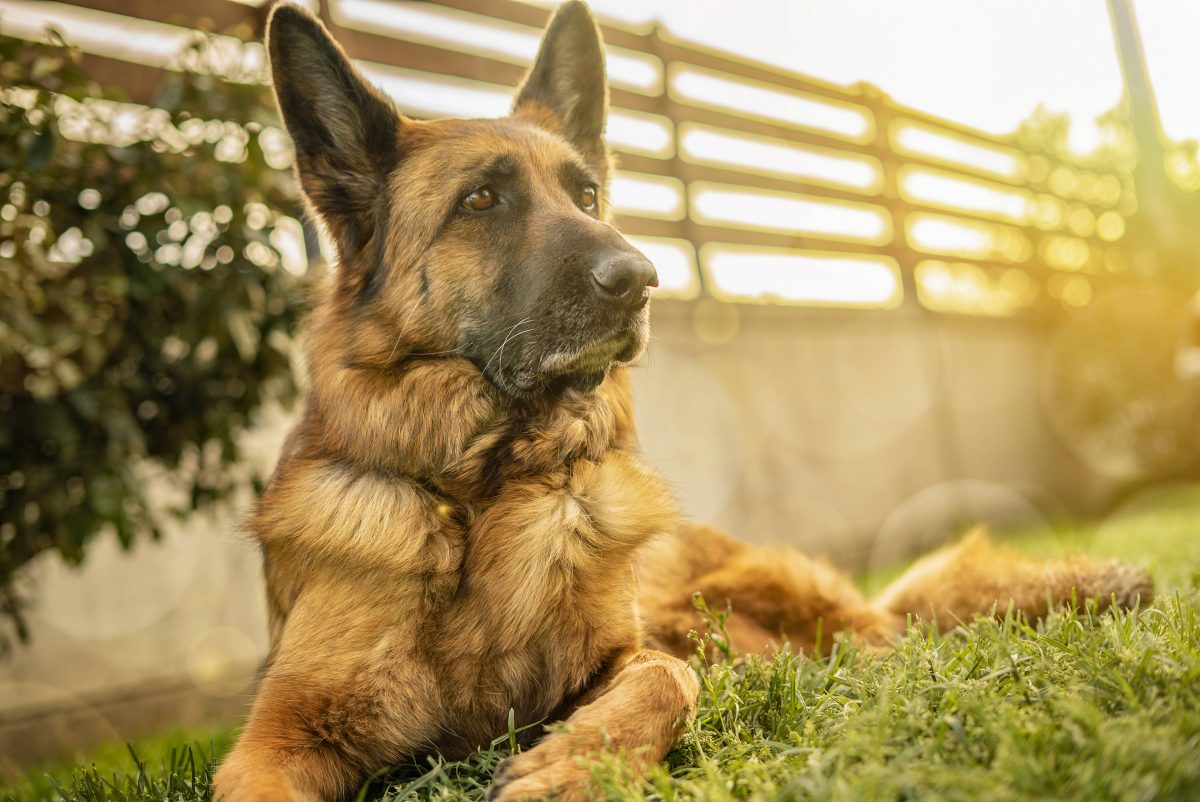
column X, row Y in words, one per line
column 145, row 308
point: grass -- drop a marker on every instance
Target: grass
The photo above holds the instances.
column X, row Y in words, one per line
column 1078, row 707
column 172, row 765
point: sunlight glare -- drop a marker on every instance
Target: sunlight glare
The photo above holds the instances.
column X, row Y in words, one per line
column 706, row 145
column 721, row 92
column 1084, row 137
column 739, row 207
column 776, row 275
column 917, row 139
column 968, row 289
column 961, row 237
column 426, row 94
column 288, row 238
column 499, row 39
column 1067, row 253
column 133, row 40
column 936, row 188
column 645, row 195
column 1110, row 226
column 638, row 132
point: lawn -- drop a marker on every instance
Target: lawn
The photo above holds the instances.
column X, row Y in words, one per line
column 1077, row 707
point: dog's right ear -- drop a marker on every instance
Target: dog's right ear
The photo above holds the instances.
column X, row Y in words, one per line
column 346, row 132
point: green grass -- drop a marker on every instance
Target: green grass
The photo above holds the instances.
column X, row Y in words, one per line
column 1079, row 707
column 113, row 766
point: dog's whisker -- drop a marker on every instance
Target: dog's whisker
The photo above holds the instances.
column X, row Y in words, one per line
column 500, row 366
column 500, row 350
column 395, row 345
column 404, row 328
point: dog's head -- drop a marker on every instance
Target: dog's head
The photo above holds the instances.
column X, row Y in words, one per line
column 481, row 238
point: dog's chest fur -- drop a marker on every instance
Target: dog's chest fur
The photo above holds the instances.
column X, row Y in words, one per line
column 518, row 599
column 546, row 600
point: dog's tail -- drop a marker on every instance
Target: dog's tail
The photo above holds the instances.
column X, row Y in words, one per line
column 975, row 576
column 774, row 595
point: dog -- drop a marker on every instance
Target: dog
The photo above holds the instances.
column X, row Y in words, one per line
column 460, row 528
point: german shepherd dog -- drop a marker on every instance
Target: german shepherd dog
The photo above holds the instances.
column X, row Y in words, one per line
column 460, row 525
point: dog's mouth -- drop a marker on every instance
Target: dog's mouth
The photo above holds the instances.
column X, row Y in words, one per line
column 584, row 369
column 574, row 368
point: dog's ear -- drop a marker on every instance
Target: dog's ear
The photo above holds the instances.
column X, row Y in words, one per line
column 346, row 132
column 568, row 78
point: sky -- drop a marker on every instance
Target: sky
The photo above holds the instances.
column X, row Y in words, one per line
column 984, row 63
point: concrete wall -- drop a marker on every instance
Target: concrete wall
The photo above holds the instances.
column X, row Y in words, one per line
column 848, row 434
column 862, row 436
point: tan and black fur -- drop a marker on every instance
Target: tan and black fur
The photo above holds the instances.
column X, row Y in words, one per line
column 460, row 524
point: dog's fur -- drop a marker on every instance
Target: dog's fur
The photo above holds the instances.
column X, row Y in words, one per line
column 460, row 524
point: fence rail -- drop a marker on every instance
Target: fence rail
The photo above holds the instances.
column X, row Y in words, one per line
column 742, row 181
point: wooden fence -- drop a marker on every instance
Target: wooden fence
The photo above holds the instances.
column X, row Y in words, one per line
column 743, row 182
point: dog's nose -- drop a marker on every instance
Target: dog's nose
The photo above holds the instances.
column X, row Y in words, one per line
column 624, row 279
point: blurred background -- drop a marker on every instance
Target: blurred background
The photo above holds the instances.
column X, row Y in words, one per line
column 922, row 265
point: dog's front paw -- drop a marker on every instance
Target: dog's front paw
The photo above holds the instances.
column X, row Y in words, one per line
column 553, row 768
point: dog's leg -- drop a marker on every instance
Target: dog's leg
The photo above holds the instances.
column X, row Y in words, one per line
column 269, row 764
column 338, row 702
column 639, row 713
column 305, row 742
column 293, row 749
column 972, row 576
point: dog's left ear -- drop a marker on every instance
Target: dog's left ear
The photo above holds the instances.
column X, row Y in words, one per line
column 568, row 78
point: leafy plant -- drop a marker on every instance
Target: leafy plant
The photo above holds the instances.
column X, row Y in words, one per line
column 147, row 297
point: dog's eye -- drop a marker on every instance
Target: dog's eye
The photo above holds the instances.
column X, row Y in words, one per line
column 587, row 199
column 480, row 200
